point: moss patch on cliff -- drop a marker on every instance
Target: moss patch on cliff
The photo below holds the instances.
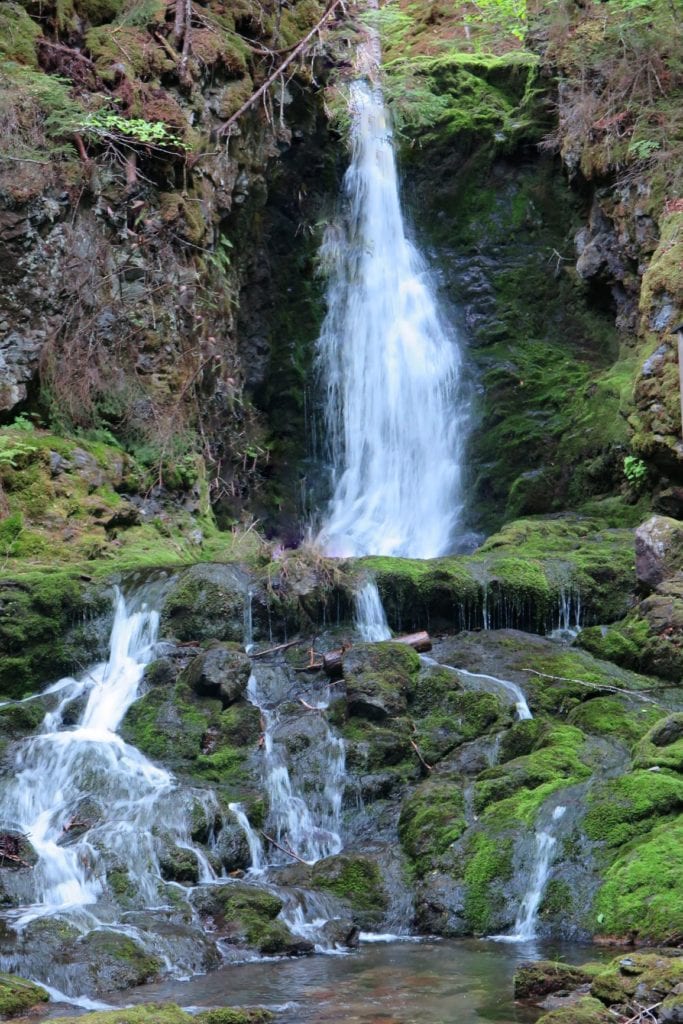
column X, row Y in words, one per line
column 432, row 818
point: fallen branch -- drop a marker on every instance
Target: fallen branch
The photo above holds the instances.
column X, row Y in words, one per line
column 593, row 686
column 284, row 848
column 332, row 661
column 279, row 70
column 273, row 650
column 429, row 767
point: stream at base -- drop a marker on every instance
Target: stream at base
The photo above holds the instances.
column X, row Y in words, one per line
column 427, row 982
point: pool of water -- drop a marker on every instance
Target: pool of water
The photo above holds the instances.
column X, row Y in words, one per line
column 430, row 982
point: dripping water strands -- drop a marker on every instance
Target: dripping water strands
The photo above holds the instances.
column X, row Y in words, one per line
column 390, row 369
column 568, row 623
column 527, row 916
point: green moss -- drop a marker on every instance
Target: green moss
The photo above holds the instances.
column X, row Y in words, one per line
column 584, row 1011
column 488, row 862
column 149, row 1013
column 38, row 610
column 432, row 818
column 18, row 995
column 230, row 1016
column 558, row 898
column 662, row 746
column 355, row 879
column 610, row 716
column 555, row 762
column 18, row 35
column 622, row 642
column 623, row 808
column 463, row 717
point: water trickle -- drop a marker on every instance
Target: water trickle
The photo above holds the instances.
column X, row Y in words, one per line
column 527, row 915
column 256, row 853
column 389, row 365
column 371, row 620
column 515, row 691
column 568, row 623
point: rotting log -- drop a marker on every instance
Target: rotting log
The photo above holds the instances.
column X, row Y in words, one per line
column 332, row 663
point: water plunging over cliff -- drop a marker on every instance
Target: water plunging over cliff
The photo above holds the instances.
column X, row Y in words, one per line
column 389, row 365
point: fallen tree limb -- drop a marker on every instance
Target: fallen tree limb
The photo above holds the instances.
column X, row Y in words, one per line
column 593, row 686
column 429, row 767
column 283, row 848
column 299, row 48
column 273, row 650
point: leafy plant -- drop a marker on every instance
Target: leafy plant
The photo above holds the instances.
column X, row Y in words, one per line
column 635, row 470
column 11, row 449
column 112, row 127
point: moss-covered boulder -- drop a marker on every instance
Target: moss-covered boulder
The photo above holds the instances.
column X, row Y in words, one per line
column 245, row 915
column 380, row 678
column 647, row 978
column 662, row 746
column 207, row 602
column 354, row 879
column 432, row 818
column 659, row 550
column 37, row 642
column 539, row 978
column 17, row 995
column 584, row 1011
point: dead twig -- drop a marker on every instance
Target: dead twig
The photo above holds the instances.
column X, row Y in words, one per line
column 594, row 686
column 299, row 48
column 273, row 650
column 283, row 848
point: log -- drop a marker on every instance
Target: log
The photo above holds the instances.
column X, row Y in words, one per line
column 333, row 660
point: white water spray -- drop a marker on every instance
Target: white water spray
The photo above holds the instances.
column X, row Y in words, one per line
column 389, row 365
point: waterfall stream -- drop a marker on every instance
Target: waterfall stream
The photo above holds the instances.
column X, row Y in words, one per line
column 390, row 367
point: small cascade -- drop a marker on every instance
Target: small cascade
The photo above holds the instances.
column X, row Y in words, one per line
column 515, row 691
column 63, row 768
column 256, row 853
column 389, row 365
column 306, row 824
column 527, row 915
column 371, row 621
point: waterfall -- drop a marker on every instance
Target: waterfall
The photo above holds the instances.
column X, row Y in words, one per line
column 527, row 915
column 371, row 620
column 253, row 839
column 389, row 365
column 62, row 766
column 515, row 691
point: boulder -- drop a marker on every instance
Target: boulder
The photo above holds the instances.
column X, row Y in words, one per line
column 380, row 678
column 659, row 550
column 542, row 977
column 219, row 672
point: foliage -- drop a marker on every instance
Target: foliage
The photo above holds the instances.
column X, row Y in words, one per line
column 635, row 469
column 36, row 112
column 134, row 131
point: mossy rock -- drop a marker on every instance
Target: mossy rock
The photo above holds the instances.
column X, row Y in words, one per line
column 219, row 672
column 464, row 717
column 246, row 915
column 556, row 761
column 380, row 679
column 168, row 1013
column 18, row 996
column 99, row 12
column 38, row 611
column 432, row 818
column 487, row 867
column 641, row 897
column 207, row 602
column 542, row 977
column 621, row 809
column 353, row 878
column 612, row 716
column 646, row 977
column 18, row 35
column 116, row 960
column 662, row 746
column 584, row 1011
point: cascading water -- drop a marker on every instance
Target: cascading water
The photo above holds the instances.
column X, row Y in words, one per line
column 389, row 365
column 527, row 915
column 308, row 825
column 370, row 618
column 63, row 767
